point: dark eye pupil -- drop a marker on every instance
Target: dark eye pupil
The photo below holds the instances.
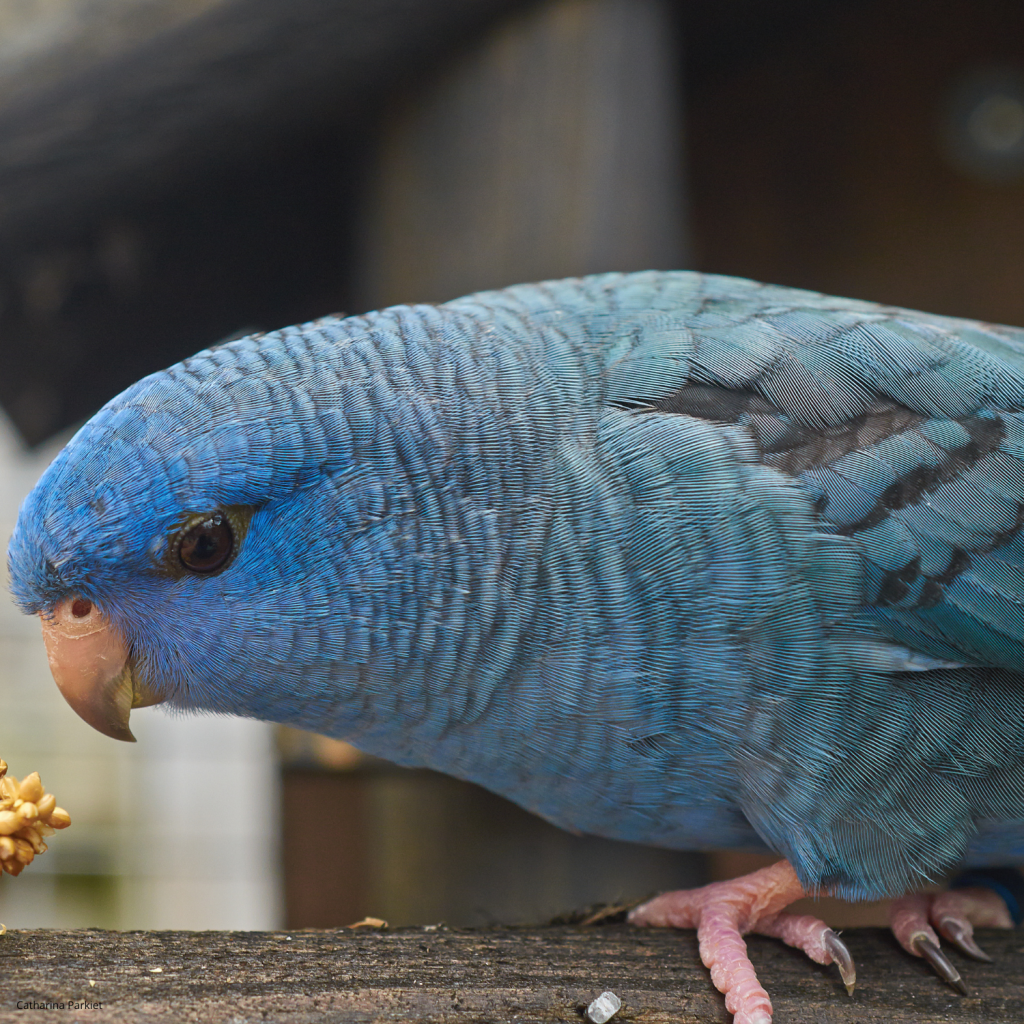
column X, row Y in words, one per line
column 207, row 546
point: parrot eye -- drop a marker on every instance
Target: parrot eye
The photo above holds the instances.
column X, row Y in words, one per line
column 203, row 543
column 207, row 545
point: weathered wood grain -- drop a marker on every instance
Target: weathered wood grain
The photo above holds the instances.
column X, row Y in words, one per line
column 444, row 977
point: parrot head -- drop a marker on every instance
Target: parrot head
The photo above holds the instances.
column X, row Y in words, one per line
column 174, row 549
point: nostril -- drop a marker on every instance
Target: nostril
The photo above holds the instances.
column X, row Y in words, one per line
column 80, row 607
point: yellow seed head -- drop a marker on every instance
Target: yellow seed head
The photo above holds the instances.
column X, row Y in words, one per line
column 27, row 814
column 31, row 788
column 59, row 818
column 33, row 838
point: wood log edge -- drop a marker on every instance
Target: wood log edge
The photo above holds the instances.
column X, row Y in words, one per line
column 436, row 974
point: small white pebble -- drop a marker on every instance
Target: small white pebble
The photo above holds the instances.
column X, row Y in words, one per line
column 92, row 984
column 604, row 1007
column 156, row 970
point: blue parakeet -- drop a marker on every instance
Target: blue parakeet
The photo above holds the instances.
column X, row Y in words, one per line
column 678, row 559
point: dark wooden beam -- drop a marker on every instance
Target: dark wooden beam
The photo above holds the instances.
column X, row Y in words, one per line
column 436, row 975
column 101, row 101
column 553, row 148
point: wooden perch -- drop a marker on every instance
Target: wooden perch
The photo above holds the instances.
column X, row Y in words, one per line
column 440, row 975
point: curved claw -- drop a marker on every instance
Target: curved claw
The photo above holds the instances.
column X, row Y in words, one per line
column 841, row 958
column 939, row 961
column 954, row 931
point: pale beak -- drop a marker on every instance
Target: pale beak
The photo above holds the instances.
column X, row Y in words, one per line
column 90, row 664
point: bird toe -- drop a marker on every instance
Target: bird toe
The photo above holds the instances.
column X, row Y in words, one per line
column 915, row 918
column 957, row 912
column 724, row 912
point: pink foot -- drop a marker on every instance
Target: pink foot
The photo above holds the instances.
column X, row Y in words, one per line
column 954, row 914
column 723, row 912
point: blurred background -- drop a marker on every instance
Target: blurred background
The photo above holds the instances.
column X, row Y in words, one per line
column 178, row 172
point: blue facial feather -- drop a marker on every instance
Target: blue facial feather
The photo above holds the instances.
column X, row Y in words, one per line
column 678, row 559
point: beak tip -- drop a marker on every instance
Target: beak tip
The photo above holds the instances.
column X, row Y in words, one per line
column 108, row 720
column 123, row 734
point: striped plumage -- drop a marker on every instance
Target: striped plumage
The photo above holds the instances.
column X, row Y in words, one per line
column 679, row 559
